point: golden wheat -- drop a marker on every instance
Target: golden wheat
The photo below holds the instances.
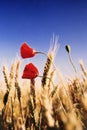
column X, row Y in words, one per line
column 51, row 106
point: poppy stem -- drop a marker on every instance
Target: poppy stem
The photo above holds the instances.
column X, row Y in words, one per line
column 47, row 78
column 47, row 57
column 42, row 53
column 72, row 62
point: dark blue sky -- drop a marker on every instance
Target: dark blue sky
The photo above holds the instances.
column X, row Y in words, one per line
column 35, row 21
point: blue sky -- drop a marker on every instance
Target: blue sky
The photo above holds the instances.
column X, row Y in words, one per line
column 35, row 21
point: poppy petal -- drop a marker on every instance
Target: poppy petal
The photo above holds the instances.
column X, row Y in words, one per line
column 26, row 51
column 30, row 71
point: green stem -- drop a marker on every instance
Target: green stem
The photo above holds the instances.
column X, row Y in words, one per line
column 72, row 63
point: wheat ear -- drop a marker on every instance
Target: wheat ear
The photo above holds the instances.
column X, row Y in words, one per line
column 6, row 78
column 17, row 86
column 47, row 68
column 5, row 99
column 83, row 68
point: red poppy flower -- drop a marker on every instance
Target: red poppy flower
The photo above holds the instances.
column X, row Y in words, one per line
column 26, row 51
column 30, row 71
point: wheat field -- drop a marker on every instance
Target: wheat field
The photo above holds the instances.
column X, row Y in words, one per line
column 45, row 106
